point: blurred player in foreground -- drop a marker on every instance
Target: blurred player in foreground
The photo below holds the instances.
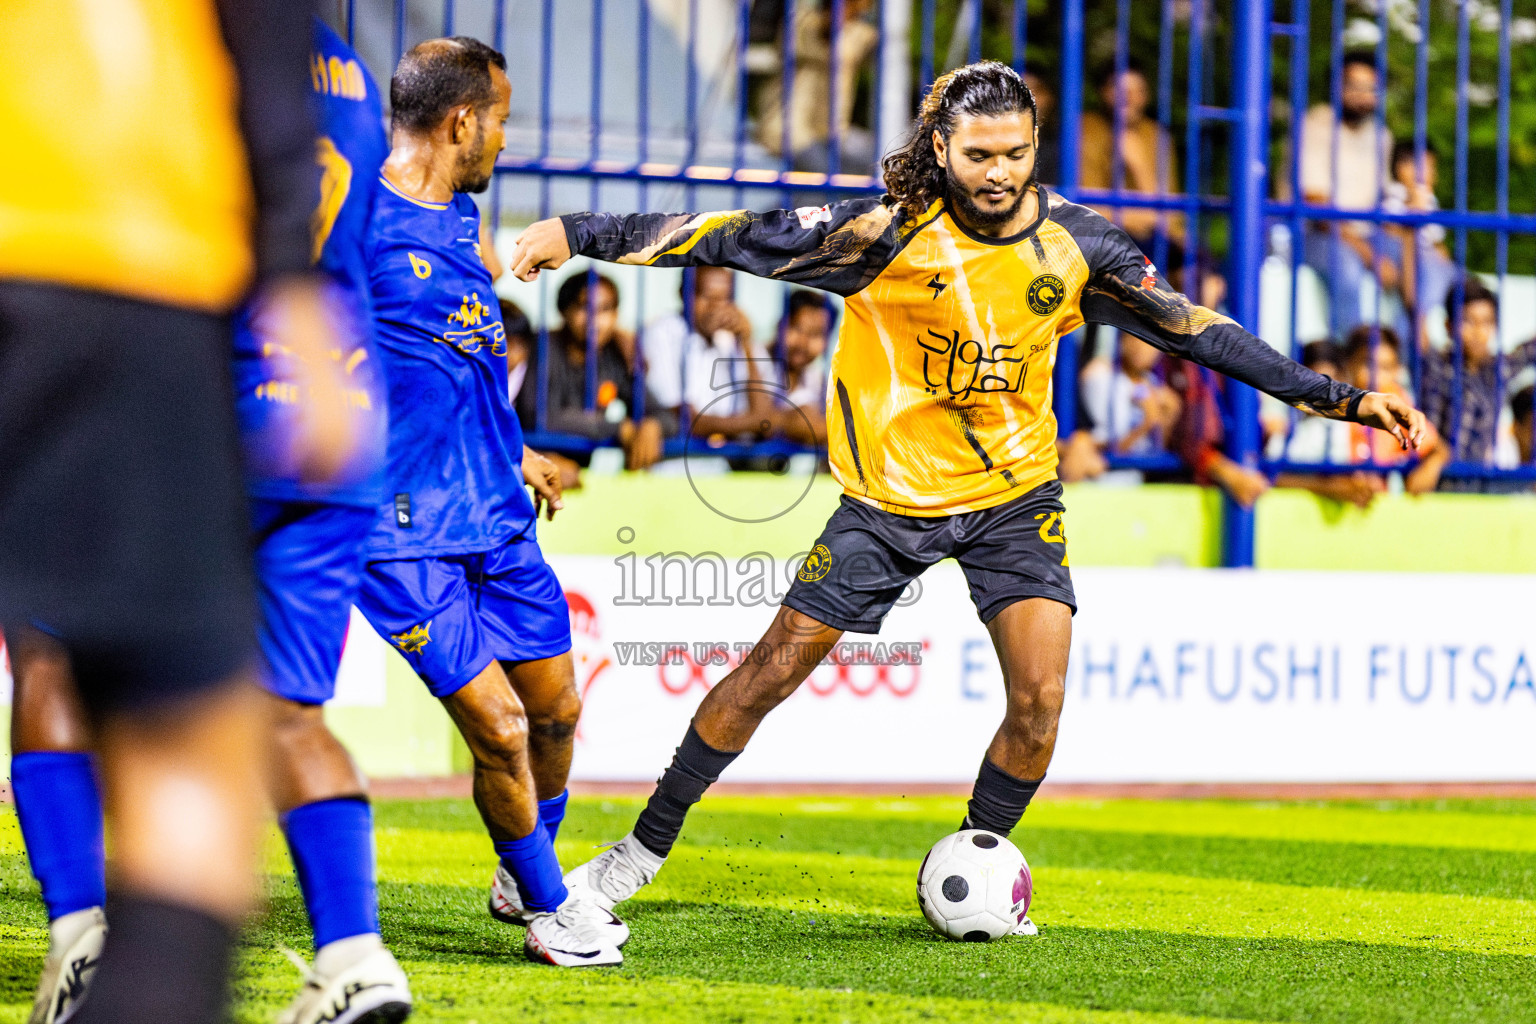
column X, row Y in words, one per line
column 309, row 559
column 455, row 578
column 126, row 237
column 958, row 284
column 307, row 538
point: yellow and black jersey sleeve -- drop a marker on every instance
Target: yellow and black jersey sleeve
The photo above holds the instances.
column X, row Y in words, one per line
column 840, row 247
column 1124, row 290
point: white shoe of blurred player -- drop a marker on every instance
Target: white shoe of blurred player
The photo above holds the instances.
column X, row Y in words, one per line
column 614, row 875
column 1025, row 927
column 570, row 937
column 74, row 949
column 353, row 981
column 506, row 906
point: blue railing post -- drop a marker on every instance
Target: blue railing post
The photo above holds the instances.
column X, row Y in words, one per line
column 1064, row 377
column 1250, row 149
column 1071, row 95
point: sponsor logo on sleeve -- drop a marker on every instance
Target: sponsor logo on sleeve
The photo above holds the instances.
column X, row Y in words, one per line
column 810, row 216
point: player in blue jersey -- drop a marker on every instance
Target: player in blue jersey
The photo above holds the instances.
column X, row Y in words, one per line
column 307, row 538
column 455, row 578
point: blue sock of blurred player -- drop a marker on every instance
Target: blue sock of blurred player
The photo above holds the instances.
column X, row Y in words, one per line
column 59, row 808
column 531, row 860
column 552, row 813
column 331, row 842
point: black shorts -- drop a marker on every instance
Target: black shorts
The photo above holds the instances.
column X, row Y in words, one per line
column 123, row 525
column 865, row 558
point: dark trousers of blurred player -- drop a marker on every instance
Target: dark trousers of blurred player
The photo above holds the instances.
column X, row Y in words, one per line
column 134, row 164
column 307, row 538
column 122, row 519
column 308, row 562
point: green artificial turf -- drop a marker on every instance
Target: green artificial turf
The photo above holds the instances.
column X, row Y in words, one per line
column 784, row 910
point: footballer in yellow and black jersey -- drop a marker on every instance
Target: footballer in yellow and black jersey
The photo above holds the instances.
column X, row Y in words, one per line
column 939, row 395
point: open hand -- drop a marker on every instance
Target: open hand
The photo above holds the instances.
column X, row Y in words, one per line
column 1396, row 417
column 542, row 247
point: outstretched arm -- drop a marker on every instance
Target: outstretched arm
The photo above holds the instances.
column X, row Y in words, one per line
column 839, row 248
column 1124, row 291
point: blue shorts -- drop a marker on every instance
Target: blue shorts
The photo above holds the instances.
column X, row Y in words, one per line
column 452, row 616
column 309, row 561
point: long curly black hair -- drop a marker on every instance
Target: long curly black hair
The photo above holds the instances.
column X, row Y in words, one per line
column 913, row 177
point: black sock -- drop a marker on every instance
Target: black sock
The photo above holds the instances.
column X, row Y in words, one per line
column 998, row 800
column 694, row 768
column 162, row 964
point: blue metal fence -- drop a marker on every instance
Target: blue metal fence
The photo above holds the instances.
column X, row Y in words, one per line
column 701, row 144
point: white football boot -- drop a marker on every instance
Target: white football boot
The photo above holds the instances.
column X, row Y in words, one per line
column 506, row 906
column 74, row 949
column 570, row 937
column 614, row 875
column 1025, row 927
column 353, row 981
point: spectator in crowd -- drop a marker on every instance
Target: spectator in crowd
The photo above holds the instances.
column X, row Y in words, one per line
column 1372, row 360
column 1343, row 253
column 1131, row 410
column 1048, row 152
column 1149, row 164
column 1428, row 271
column 610, row 418
column 1198, row 436
column 1316, row 439
column 799, row 415
column 1146, row 154
column 1461, row 397
column 1078, row 457
column 1193, row 432
column 704, row 368
column 812, row 90
column 1522, row 424
column 522, row 349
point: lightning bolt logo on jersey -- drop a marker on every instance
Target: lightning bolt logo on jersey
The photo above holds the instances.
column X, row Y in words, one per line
column 349, row 152
column 455, row 446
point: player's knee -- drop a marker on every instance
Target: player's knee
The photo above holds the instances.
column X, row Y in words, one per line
column 558, row 720
column 770, row 684
column 1037, row 698
column 294, row 724
column 503, row 741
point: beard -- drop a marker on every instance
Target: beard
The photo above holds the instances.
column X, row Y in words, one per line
column 965, row 200
column 470, row 177
column 1355, row 116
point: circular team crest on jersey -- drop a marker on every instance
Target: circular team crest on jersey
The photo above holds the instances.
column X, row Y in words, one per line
column 1045, row 294
column 817, row 564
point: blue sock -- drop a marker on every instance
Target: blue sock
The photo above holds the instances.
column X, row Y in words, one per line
column 552, row 813
column 531, row 860
column 59, row 808
column 332, row 846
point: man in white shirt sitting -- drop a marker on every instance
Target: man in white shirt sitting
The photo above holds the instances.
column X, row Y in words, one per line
column 706, row 366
